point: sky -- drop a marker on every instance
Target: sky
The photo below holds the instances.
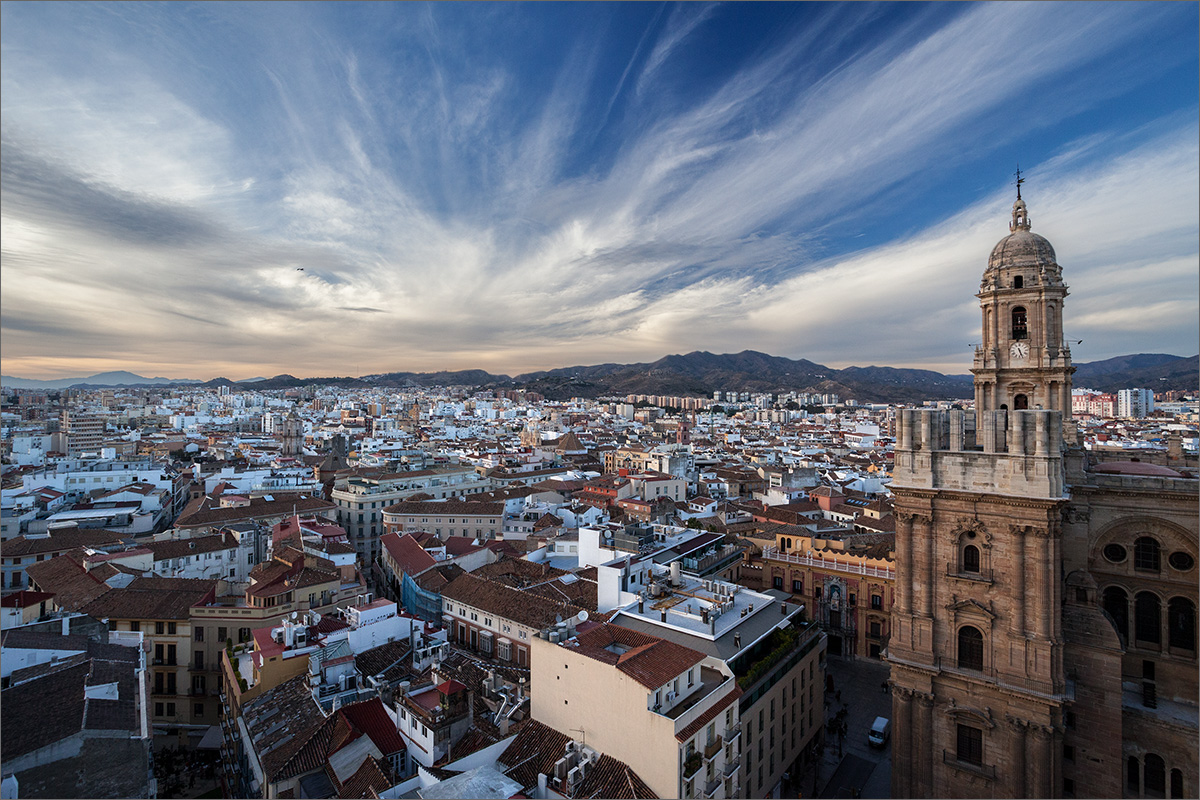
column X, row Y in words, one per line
column 248, row 189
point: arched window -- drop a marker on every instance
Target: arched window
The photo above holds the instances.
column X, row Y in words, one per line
column 970, row 561
column 1154, row 776
column 1146, row 554
column 1020, row 329
column 1133, row 775
column 1181, row 623
column 1147, row 618
column 1116, row 603
column 970, row 648
column 1020, row 402
column 1176, row 783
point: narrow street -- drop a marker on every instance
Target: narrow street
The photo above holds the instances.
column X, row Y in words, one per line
column 850, row 766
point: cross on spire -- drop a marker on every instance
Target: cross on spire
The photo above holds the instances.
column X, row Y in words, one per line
column 1020, row 180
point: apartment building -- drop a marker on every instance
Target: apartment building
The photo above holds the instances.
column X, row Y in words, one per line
column 668, row 711
column 777, row 658
column 446, row 518
column 361, row 499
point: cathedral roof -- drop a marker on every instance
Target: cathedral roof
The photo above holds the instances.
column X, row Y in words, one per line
column 1136, row 468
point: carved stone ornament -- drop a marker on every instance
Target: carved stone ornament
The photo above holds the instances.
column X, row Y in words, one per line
column 970, row 607
column 983, row 715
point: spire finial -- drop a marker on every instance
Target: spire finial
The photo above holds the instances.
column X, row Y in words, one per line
column 1020, row 216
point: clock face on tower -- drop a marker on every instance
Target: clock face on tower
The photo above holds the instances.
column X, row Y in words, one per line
column 1019, row 350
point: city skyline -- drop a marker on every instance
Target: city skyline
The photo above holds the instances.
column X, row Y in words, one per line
column 242, row 190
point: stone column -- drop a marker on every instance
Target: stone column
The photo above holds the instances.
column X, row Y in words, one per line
column 924, row 531
column 1042, row 590
column 923, row 783
column 1017, row 535
column 902, row 742
column 1018, row 728
column 904, row 565
column 1040, row 768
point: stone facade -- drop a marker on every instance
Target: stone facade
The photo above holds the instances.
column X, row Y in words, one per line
column 1044, row 632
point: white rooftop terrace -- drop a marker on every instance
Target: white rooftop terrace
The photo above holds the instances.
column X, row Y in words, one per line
column 698, row 606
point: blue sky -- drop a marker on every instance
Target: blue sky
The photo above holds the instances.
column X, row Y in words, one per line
column 233, row 189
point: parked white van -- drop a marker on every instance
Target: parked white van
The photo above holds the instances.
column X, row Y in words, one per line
column 881, row 729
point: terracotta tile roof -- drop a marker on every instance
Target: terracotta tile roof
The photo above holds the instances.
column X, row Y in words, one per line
column 156, row 599
column 409, row 556
column 536, row 748
column 370, row 717
column 650, row 661
column 60, row 541
column 195, row 545
column 368, row 781
column 287, row 717
column 507, row 603
column 64, row 577
column 203, row 511
column 708, row 716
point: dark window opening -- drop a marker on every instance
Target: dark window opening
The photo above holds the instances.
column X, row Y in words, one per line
column 1116, row 603
column 1176, row 783
column 1020, row 328
column 970, row 745
column 970, row 648
column 1133, row 779
column 970, row 558
column 1147, row 616
column 1154, row 777
column 1114, row 553
column 1181, row 623
column 1019, row 282
column 1020, row 403
column 1181, row 561
column 1146, row 554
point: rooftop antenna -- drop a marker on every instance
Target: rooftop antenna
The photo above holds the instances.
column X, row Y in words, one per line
column 1020, row 180
column 582, row 735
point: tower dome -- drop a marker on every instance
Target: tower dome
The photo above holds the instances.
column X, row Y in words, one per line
column 1022, row 247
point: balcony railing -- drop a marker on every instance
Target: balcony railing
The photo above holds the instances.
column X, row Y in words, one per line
column 712, row 748
column 710, row 787
column 731, row 766
column 1041, row 687
column 834, row 564
column 978, row 576
column 986, row 770
column 733, row 731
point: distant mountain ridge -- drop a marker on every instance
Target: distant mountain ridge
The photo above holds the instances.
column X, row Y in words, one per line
column 117, row 378
column 701, row 373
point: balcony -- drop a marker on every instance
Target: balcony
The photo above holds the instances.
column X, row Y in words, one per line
column 733, row 731
column 983, row 576
column 847, row 566
column 712, row 748
column 1019, row 683
column 692, row 765
column 731, row 766
column 983, row 770
column 711, row 786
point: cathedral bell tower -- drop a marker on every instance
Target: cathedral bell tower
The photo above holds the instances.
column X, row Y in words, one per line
column 980, row 693
column 1023, row 361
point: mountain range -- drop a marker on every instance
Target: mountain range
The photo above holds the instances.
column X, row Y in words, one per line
column 701, row 373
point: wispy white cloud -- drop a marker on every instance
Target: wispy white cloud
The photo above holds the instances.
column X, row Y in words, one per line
column 438, row 229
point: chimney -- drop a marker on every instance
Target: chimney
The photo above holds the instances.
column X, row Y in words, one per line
column 737, row 640
column 664, row 615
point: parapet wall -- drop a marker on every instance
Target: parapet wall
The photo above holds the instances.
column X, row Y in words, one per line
column 997, row 452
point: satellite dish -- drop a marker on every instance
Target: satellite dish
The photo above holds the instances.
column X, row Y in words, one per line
column 293, row 615
column 558, row 617
column 582, row 616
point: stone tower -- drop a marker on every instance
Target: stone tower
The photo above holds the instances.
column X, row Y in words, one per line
column 979, row 685
column 1023, row 361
